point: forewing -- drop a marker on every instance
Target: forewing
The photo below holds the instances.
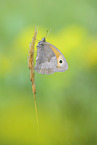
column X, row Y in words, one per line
column 62, row 64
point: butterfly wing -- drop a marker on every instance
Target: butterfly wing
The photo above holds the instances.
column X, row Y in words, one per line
column 49, row 59
column 45, row 60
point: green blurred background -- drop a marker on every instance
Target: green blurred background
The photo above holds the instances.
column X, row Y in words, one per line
column 66, row 102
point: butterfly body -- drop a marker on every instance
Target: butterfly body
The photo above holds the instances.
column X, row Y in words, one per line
column 49, row 59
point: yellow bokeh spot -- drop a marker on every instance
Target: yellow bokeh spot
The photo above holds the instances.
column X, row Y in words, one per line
column 91, row 56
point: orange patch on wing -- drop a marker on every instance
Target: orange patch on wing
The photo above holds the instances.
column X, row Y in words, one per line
column 57, row 53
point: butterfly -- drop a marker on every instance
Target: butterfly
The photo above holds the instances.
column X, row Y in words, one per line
column 49, row 59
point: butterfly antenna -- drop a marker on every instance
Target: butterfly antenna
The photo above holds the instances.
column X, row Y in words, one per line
column 47, row 33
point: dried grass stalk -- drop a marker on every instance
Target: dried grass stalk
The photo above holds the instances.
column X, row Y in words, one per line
column 31, row 67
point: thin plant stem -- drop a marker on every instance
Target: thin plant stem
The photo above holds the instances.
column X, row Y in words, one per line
column 32, row 74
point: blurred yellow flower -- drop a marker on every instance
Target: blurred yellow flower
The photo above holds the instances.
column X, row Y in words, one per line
column 91, row 55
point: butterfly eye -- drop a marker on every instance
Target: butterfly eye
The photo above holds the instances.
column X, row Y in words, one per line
column 60, row 61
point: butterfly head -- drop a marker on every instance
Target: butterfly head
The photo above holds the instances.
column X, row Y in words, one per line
column 43, row 39
column 41, row 42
